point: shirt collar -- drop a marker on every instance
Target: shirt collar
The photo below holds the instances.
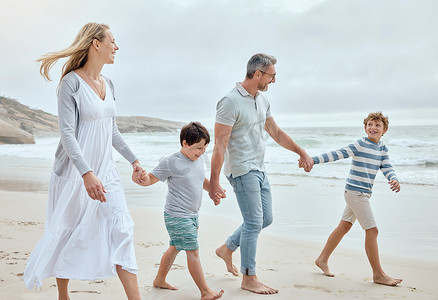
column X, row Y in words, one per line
column 244, row 92
column 377, row 144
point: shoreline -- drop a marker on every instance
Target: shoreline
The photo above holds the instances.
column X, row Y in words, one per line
column 407, row 229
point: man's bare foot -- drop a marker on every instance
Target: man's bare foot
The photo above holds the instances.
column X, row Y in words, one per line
column 211, row 295
column 324, row 267
column 227, row 255
column 164, row 285
column 386, row 280
column 251, row 283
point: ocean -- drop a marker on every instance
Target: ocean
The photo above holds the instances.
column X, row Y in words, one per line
column 413, row 151
column 408, row 227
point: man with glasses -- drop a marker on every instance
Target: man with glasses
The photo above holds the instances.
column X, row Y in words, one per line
column 243, row 117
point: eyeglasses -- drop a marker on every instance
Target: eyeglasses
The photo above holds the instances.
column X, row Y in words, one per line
column 272, row 75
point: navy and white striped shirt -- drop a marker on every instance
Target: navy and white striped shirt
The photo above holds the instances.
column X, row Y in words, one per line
column 368, row 158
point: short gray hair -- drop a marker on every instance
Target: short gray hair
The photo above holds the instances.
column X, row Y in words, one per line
column 259, row 61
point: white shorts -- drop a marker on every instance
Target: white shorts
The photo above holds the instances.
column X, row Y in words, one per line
column 358, row 207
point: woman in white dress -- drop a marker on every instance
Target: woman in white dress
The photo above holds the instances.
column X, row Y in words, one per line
column 89, row 232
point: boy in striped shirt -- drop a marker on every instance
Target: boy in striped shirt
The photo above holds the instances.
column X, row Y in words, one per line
column 369, row 156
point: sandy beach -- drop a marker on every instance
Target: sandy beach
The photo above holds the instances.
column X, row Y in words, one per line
column 283, row 263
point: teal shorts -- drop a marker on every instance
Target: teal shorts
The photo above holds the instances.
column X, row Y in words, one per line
column 183, row 232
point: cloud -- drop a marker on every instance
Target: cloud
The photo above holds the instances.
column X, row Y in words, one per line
column 178, row 58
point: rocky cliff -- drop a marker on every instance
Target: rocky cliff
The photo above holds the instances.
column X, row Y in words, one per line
column 147, row 124
column 19, row 123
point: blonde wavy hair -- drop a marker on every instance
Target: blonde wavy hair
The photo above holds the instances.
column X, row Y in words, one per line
column 77, row 53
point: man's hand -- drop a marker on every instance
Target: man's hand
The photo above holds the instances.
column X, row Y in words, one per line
column 218, row 197
column 216, row 193
column 306, row 162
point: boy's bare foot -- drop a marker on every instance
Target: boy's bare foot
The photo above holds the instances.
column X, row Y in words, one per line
column 164, row 285
column 251, row 283
column 211, row 295
column 227, row 255
column 386, row 280
column 324, row 267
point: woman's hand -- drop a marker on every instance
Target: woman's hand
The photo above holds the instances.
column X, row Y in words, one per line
column 134, row 176
column 94, row 187
column 137, row 171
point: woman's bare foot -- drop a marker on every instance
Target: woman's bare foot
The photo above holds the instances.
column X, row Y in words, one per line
column 324, row 267
column 251, row 283
column 227, row 255
column 386, row 280
column 211, row 295
column 164, row 285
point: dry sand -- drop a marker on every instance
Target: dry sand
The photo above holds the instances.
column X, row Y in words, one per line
column 282, row 263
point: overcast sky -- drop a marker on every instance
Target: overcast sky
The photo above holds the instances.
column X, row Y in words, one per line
column 337, row 60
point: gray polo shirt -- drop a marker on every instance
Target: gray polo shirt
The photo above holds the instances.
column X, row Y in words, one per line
column 247, row 115
column 185, row 181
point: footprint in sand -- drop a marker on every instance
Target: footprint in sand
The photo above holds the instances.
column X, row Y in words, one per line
column 20, row 223
column 174, row 267
column 13, row 256
column 310, row 287
column 147, row 288
column 97, row 282
column 270, row 269
column 149, row 244
column 3, row 254
column 88, row 292
column 177, row 267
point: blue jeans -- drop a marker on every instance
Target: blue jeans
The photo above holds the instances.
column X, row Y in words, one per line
column 253, row 194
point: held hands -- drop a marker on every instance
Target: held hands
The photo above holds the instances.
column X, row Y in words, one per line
column 137, row 172
column 394, row 185
column 146, row 179
column 216, row 193
column 139, row 180
column 94, row 187
column 306, row 162
column 218, row 196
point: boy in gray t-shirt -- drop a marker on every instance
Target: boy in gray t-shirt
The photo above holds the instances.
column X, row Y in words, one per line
column 185, row 175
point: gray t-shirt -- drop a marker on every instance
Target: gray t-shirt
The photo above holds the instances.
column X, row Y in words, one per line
column 247, row 115
column 185, row 181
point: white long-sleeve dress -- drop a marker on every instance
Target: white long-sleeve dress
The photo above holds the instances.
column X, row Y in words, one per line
column 84, row 239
